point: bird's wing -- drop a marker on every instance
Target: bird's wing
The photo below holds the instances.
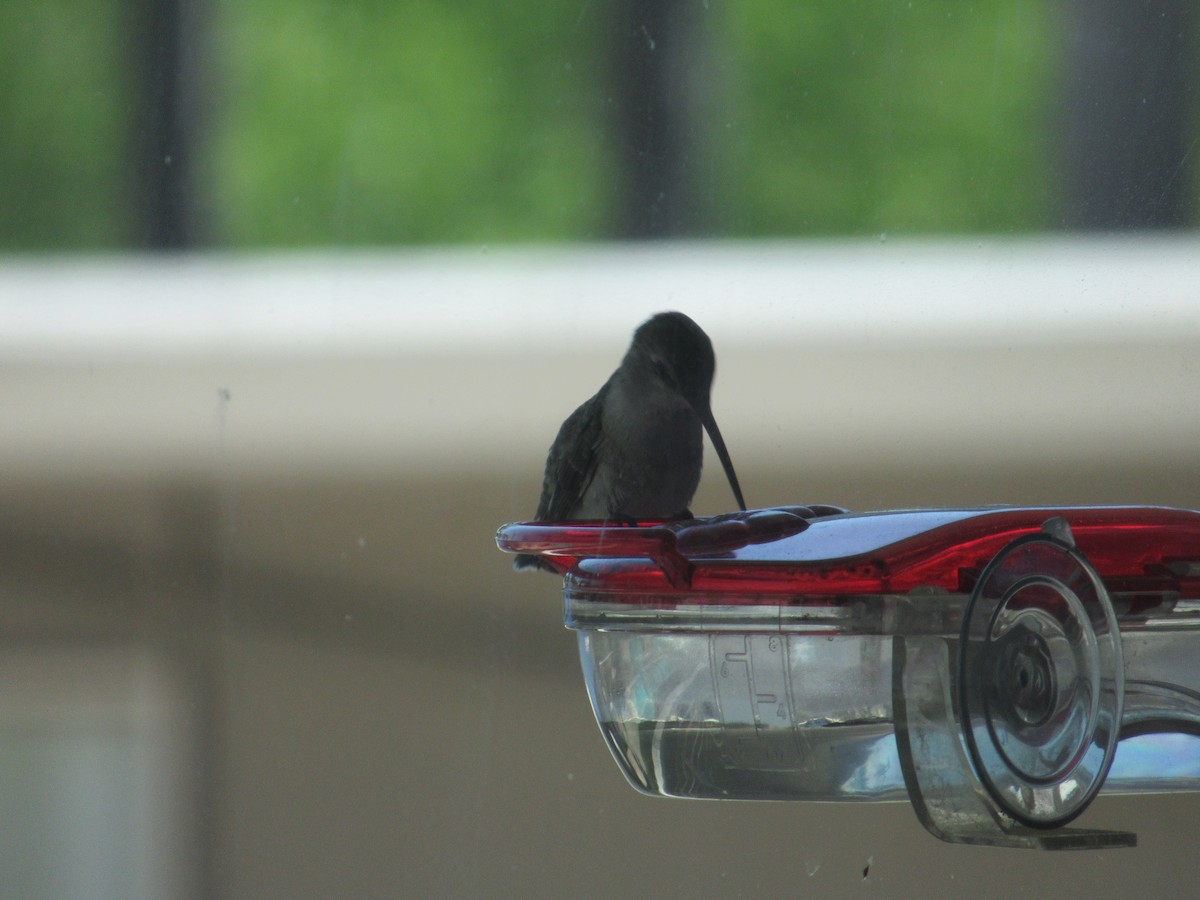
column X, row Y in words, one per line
column 571, row 464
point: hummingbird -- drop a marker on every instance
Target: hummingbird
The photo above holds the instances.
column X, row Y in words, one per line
column 634, row 450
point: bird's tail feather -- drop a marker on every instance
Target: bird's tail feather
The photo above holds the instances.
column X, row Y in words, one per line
column 529, row 561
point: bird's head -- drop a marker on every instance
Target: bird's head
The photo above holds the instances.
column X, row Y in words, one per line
column 679, row 356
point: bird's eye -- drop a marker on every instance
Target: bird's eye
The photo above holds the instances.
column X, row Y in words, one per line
column 664, row 373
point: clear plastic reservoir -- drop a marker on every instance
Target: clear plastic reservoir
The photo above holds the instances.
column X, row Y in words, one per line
column 767, row 716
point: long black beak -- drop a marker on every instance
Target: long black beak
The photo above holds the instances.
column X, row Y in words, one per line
column 714, row 433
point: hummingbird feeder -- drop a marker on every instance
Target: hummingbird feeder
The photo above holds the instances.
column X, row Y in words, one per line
column 996, row 667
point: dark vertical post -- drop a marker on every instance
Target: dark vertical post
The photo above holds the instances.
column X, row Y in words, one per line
column 170, row 91
column 1127, row 132
column 662, row 76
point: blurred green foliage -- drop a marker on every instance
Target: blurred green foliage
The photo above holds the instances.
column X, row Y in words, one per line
column 924, row 116
column 372, row 122
column 375, row 121
column 64, row 114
